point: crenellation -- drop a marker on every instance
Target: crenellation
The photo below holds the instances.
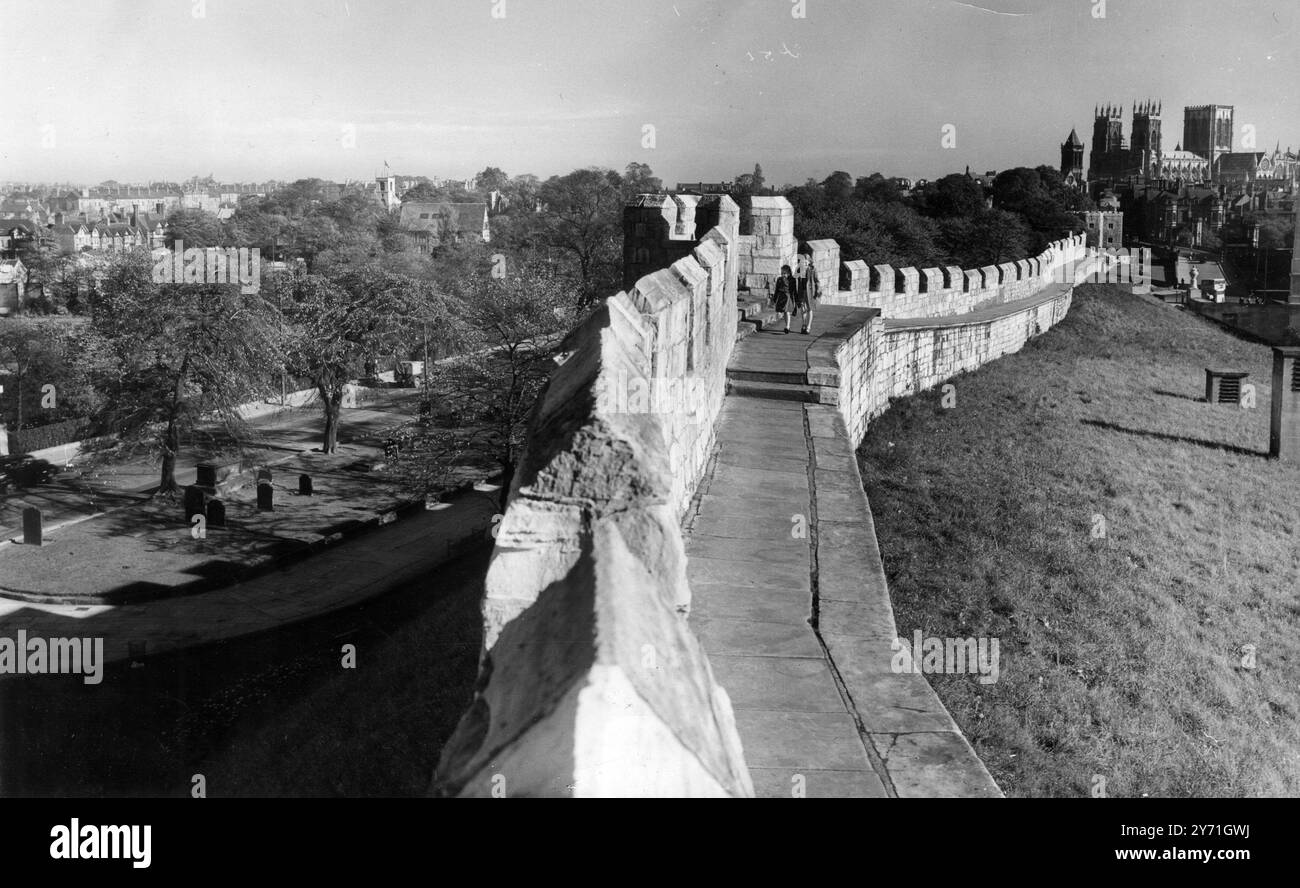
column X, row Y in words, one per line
column 882, row 279
column 856, row 279
column 907, row 282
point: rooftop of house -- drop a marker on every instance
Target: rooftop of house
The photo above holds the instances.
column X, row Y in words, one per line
column 431, row 215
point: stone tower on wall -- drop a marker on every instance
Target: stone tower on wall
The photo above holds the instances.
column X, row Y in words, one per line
column 770, row 245
column 659, row 229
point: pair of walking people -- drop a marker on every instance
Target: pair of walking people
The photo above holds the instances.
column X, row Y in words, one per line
column 796, row 295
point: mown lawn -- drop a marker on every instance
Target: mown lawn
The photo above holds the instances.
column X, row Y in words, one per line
column 1121, row 655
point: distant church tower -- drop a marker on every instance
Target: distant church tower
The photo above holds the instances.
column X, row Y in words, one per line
column 388, row 192
column 1072, row 160
column 1146, row 137
column 1107, row 141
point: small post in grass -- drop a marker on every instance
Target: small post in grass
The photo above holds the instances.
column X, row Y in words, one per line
column 33, row 527
column 1284, row 425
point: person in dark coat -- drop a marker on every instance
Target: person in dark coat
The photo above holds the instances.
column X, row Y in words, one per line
column 787, row 287
column 806, row 292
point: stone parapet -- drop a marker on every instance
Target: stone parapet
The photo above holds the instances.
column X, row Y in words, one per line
column 591, row 682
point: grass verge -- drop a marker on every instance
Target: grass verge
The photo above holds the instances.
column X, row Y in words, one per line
column 1122, row 539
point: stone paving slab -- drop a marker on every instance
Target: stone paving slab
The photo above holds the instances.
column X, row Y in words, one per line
column 785, row 684
column 831, row 735
column 770, row 605
column 938, row 765
column 739, row 572
column 732, row 506
column 775, row 783
column 770, row 524
column 750, row 638
column 763, row 551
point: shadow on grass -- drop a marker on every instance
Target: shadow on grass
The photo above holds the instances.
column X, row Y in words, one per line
column 266, row 714
column 1168, row 394
column 1177, row 439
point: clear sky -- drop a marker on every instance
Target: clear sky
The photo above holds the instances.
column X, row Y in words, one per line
column 255, row 89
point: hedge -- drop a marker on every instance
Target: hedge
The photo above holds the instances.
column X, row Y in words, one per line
column 52, row 435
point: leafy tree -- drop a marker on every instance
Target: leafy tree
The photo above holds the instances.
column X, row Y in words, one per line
column 953, row 195
column 1036, row 196
column 423, row 191
column 39, row 353
column 584, row 219
column 991, row 238
column 334, row 324
column 197, row 228
column 492, row 179
column 744, row 187
column 178, row 355
column 1275, row 232
column 522, row 192
column 638, row 178
column 877, row 189
column 312, row 235
column 255, row 225
column 295, row 199
column 838, row 186
column 48, row 274
column 507, row 332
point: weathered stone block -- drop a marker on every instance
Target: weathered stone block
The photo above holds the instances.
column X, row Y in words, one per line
column 907, row 282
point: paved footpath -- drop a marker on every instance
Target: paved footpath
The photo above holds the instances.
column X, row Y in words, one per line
column 340, row 577
column 791, row 604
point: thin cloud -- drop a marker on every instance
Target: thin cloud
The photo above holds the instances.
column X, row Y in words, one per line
column 989, row 11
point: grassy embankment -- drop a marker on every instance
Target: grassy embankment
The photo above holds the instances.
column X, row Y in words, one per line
column 1121, row 656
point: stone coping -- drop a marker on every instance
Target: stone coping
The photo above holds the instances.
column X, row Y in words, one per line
column 923, row 752
column 982, row 315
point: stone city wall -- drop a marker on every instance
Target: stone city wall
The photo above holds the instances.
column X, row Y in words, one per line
column 881, row 360
column 941, row 292
column 591, row 682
